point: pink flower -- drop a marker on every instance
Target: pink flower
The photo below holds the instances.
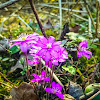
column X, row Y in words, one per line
column 40, row 78
column 50, row 51
column 82, row 50
column 56, row 57
column 56, row 89
column 36, row 59
column 47, row 47
column 25, row 41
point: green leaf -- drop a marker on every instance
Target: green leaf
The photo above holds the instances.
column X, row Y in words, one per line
column 15, row 49
column 93, row 46
column 70, row 69
column 21, row 61
column 11, row 60
column 0, row 58
column 5, row 59
column 25, row 68
column 89, row 88
column 22, row 72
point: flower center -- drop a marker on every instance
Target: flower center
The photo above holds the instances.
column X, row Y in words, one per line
column 55, row 91
column 23, row 38
column 49, row 45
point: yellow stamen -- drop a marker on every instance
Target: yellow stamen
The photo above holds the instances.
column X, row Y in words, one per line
column 55, row 91
column 49, row 45
column 23, row 38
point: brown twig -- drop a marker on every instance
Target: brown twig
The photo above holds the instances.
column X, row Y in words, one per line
column 36, row 69
column 76, row 69
column 91, row 76
column 85, row 71
column 37, row 18
column 5, row 84
column 7, row 79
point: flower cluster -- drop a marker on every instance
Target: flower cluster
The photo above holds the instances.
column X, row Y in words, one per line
column 41, row 48
column 56, row 88
column 49, row 51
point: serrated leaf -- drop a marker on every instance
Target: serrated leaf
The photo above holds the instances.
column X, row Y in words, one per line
column 15, row 49
column 70, row 69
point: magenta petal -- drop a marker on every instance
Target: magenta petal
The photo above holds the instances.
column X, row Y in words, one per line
column 47, row 56
column 83, row 44
column 35, row 75
column 43, row 73
column 47, row 79
column 17, row 43
column 46, row 63
column 86, row 55
column 60, row 95
column 48, row 90
column 24, row 47
column 88, row 52
column 55, row 54
column 61, row 60
column 50, row 64
column 79, row 53
column 51, row 39
column 57, row 43
column 55, row 62
column 33, row 80
column 53, row 84
column 42, row 52
column 58, row 87
column 31, row 62
column 56, row 47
